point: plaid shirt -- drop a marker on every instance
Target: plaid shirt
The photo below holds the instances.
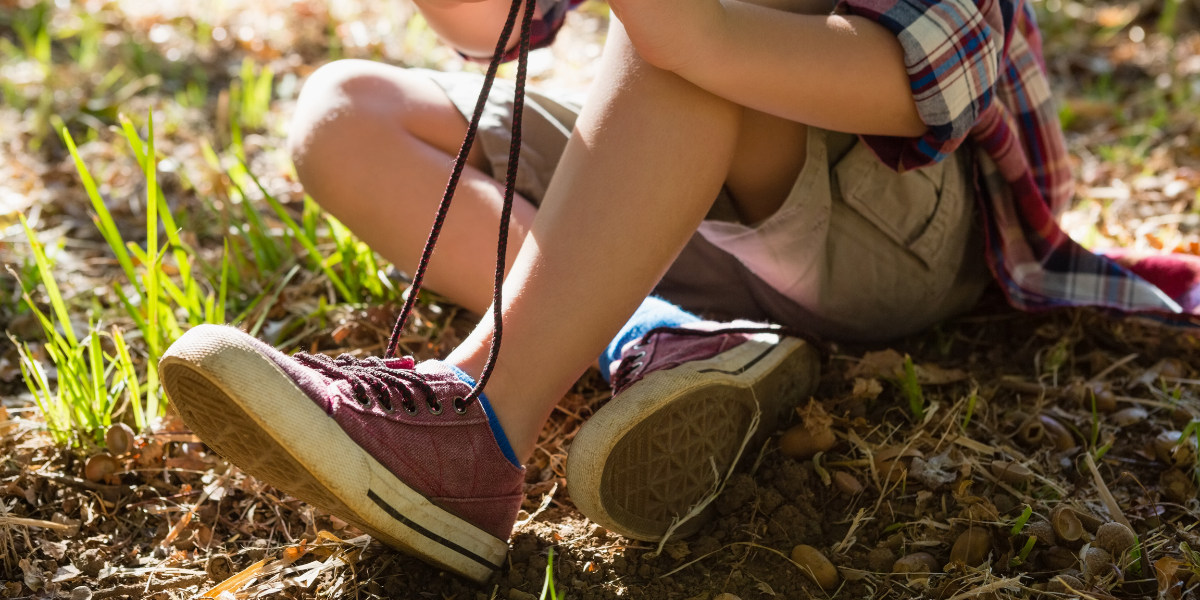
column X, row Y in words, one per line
column 977, row 74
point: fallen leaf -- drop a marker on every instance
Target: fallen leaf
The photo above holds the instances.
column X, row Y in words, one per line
column 33, row 575
column 866, row 389
column 54, row 550
column 66, row 573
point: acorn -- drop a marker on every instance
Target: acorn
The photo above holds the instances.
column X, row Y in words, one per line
column 972, row 547
column 1011, row 472
column 916, row 563
column 801, row 443
column 1064, row 584
column 101, row 467
column 119, row 439
column 816, row 566
column 1115, row 537
column 847, row 483
column 1042, row 530
column 1096, row 562
column 1066, row 523
column 1169, row 449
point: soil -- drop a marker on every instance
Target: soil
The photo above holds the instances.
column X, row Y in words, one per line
column 774, row 504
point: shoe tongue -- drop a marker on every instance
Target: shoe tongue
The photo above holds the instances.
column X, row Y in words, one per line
column 404, row 362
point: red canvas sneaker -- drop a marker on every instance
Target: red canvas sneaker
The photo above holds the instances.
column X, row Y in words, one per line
column 683, row 401
column 389, row 445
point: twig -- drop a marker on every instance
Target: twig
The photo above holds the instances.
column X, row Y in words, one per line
column 991, row 587
column 1109, row 501
column 135, row 590
column 545, row 503
column 1113, row 367
column 83, row 483
column 751, row 544
column 5, row 520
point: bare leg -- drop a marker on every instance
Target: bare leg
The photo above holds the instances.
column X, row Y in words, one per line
column 648, row 155
column 375, row 145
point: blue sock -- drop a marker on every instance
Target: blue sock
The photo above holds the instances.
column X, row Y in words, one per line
column 493, row 422
column 654, row 312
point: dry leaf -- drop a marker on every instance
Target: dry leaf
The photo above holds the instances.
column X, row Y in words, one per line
column 33, row 575
column 678, row 550
column 866, row 389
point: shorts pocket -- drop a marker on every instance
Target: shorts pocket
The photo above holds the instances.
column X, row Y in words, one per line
column 916, row 209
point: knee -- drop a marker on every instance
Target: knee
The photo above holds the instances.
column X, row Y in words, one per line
column 341, row 101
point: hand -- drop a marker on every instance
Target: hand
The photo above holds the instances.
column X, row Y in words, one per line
column 668, row 33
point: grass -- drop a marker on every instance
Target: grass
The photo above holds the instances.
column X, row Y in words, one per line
column 910, row 386
column 167, row 287
column 548, row 586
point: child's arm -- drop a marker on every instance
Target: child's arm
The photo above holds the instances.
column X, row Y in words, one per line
column 839, row 73
column 471, row 26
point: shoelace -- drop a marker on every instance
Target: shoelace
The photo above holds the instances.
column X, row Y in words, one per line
column 376, row 374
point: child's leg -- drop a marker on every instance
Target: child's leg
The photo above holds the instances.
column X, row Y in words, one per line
column 374, row 144
column 648, row 155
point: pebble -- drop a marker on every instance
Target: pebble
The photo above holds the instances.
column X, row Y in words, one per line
column 515, row 594
column 917, row 562
column 81, row 593
column 881, row 560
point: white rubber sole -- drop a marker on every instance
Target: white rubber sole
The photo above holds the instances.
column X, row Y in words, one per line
column 647, row 456
column 247, row 409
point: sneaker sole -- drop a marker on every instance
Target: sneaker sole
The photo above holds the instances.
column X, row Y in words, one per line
column 250, row 412
column 648, row 455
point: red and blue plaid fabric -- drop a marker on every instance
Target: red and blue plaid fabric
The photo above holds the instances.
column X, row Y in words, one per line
column 978, row 76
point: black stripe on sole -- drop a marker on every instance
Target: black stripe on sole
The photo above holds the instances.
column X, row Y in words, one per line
column 746, row 366
column 395, row 514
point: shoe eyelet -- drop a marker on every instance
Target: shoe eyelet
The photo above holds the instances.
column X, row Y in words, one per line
column 459, row 405
column 637, row 365
column 435, row 409
column 387, row 408
column 410, row 410
column 641, row 354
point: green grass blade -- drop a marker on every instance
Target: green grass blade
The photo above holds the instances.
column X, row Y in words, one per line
column 308, row 243
column 152, row 291
column 912, row 389
column 262, row 318
column 99, row 389
column 56, row 301
column 138, row 320
column 104, row 220
column 222, row 290
column 131, row 379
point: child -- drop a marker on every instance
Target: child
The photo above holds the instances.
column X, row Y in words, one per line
column 836, row 170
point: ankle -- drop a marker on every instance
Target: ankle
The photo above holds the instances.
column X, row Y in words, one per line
column 517, row 427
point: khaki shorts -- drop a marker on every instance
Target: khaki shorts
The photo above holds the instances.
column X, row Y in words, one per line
column 856, row 252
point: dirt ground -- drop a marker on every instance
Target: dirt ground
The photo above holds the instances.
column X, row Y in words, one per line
column 1049, row 425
